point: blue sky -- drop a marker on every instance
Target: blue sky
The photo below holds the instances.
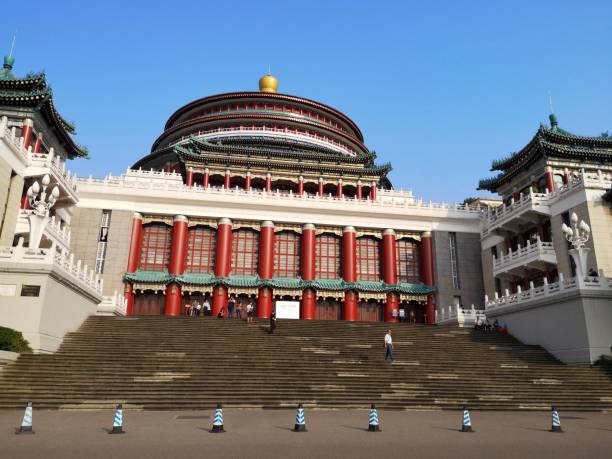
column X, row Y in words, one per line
column 439, row 89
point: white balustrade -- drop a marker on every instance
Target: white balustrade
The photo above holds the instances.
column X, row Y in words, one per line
column 50, row 256
column 562, row 286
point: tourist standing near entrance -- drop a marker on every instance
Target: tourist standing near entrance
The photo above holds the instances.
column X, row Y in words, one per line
column 198, row 308
column 239, row 310
column 249, row 310
column 388, row 346
column 230, row 307
column 206, row 307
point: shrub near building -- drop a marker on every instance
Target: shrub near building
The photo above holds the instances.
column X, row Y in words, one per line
column 13, row 341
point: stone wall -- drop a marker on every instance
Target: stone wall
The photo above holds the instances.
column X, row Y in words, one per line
column 11, row 186
column 600, row 219
column 469, row 267
column 85, row 227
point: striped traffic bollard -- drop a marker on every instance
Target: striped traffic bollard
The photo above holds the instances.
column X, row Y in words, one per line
column 218, row 420
column 26, row 423
column 373, row 425
column 556, row 421
column 466, row 425
column 300, row 420
column 118, row 421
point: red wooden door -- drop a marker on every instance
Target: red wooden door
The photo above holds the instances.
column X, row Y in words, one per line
column 369, row 311
column 148, row 304
column 327, row 310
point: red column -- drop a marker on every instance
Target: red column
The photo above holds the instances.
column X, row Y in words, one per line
column 339, row 190
column 266, row 268
column 176, row 266
column 359, row 193
column 223, row 263
column 26, row 132
column 350, row 305
column 516, row 195
column 268, row 182
column 247, row 181
column 228, row 180
column 320, row 190
column 550, row 182
column 373, row 191
column 308, row 271
column 190, row 177
column 301, row 185
column 206, row 178
column 133, row 259
column 389, row 256
column 38, row 143
column 427, row 273
column 566, row 176
column 349, row 270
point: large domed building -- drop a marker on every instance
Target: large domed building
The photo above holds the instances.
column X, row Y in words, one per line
column 265, row 198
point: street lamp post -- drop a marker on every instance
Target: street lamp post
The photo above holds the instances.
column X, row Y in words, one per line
column 41, row 203
column 578, row 234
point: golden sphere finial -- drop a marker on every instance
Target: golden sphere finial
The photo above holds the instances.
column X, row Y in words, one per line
column 268, row 83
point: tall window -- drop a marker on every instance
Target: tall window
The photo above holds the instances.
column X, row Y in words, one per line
column 201, row 250
column 245, row 247
column 102, row 241
column 155, row 252
column 407, row 261
column 452, row 237
column 328, row 256
column 286, row 254
column 368, row 259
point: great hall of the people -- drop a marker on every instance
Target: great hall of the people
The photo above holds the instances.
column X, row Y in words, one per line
column 271, row 197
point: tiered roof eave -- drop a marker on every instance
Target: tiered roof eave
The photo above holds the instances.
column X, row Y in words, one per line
column 33, row 92
column 549, row 142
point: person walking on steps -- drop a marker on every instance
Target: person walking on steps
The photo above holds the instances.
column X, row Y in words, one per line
column 249, row 310
column 388, row 346
column 272, row 323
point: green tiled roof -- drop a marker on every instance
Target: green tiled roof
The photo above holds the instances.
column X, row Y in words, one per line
column 156, row 277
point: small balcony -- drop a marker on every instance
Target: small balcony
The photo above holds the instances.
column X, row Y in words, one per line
column 539, row 256
column 528, row 209
column 53, row 231
column 51, row 164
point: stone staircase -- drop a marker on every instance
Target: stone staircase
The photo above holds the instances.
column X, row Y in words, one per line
column 187, row 363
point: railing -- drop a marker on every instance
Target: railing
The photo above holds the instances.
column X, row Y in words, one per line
column 53, row 229
column 113, row 305
column 50, row 160
column 459, row 315
column 547, row 290
column 598, row 180
column 537, row 250
column 74, row 271
column 503, row 213
column 390, row 198
column 273, row 130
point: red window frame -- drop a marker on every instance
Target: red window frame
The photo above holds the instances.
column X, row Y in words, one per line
column 327, row 250
column 155, row 249
column 407, row 259
column 245, row 251
column 287, row 254
column 368, row 259
column 201, row 247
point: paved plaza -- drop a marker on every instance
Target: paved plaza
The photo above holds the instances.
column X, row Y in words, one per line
column 268, row 434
